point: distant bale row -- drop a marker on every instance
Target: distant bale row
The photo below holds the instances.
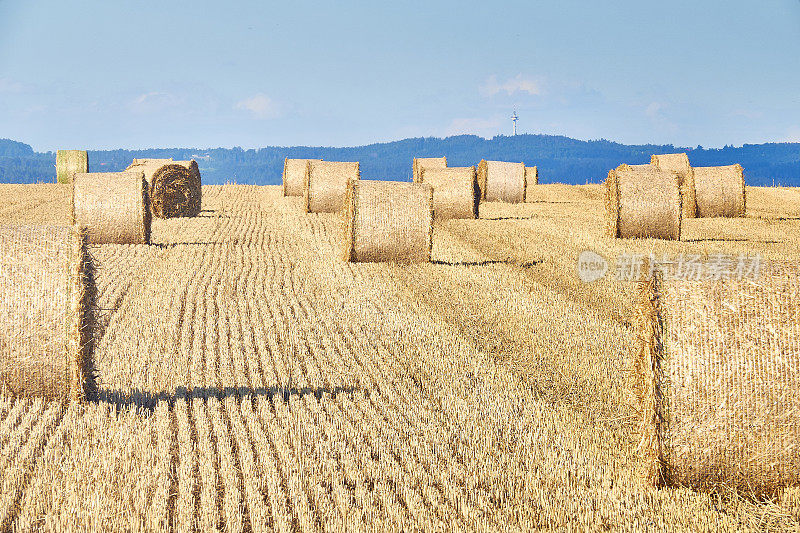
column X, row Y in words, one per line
column 455, row 191
column 45, row 329
column 643, row 202
column 717, row 381
column 501, row 181
column 325, row 188
column 421, row 163
column 69, row 163
column 175, row 186
column 679, row 164
column 294, row 176
column 720, row 191
column 706, row 191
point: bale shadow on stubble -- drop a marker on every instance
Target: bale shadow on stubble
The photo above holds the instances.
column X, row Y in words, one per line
column 736, row 239
column 523, row 264
column 146, row 401
column 168, row 245
column 529, row 217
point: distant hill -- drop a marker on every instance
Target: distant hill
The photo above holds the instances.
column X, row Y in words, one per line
column 559, row 159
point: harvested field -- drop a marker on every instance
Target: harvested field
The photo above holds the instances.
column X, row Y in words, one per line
column 251, row 380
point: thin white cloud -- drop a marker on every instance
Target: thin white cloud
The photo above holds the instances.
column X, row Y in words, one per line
column 10, row 86
column 517, row 84
column 653, row 109
column 155, row 101
column 792, row 135
column 474, row 126
column 260, row 106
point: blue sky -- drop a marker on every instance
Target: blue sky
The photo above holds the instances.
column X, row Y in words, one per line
column 140, row 74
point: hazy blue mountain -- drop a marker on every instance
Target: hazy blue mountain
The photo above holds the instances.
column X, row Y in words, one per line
column 559, row 159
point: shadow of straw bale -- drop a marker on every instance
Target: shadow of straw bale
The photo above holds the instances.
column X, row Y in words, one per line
column 529, row 217
column 523, row 264
column 168, row 245
column 147, row 401
column 737, row 239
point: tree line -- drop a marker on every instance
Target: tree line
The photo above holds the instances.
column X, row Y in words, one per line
column 559, row 159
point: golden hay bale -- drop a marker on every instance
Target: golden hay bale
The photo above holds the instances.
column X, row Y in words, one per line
column 325, row 187
column 626, row 166
column 294, row 172
column 531, row 180
column 501, row 181
column 679, row 163
column 45, row 298
column 421, row 163
column 113, row 207
column 455, row 191
column 717, row 376
column 719, row 191
column 388, row 221
column 643, row 203
column 175, row 186
column 70, row 162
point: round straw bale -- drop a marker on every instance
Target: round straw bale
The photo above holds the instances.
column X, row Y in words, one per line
column 113, row 207
column 421, row 163
column 720, row 191
column 294, row 171
column 175, row 186
column 70, row 162
column 679, row 163
column 643, row 203
column 501, row 181
column 388, row 221
column 717, row 376
column 626, row 166
column 455, row 191
column 45, row 298
column 325, row 186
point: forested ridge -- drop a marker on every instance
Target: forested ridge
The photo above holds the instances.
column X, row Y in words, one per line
column 558, row 158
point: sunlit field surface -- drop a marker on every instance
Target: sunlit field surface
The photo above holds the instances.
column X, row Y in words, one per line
column 250, row 380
